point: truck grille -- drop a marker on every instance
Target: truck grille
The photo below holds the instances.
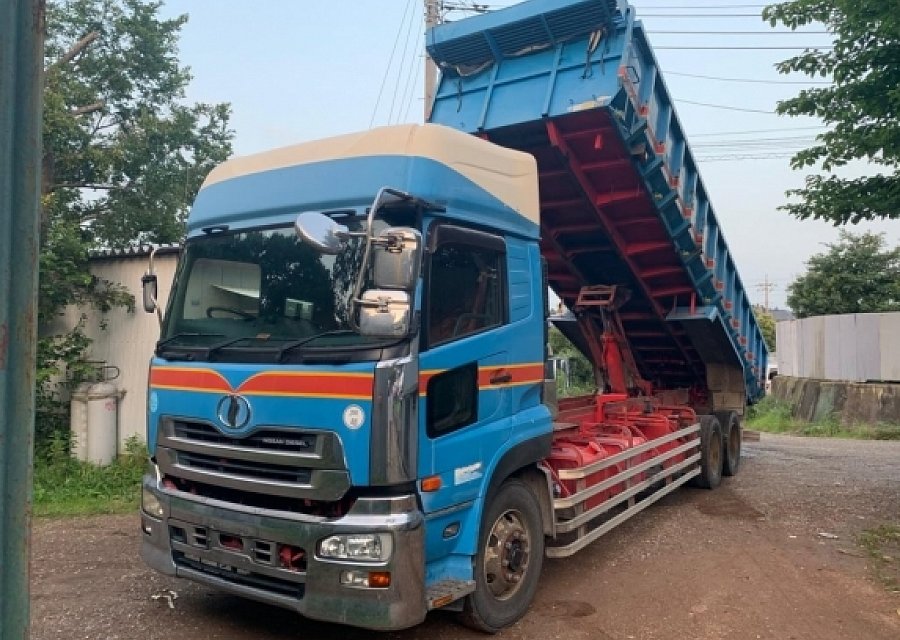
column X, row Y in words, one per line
column 269, row 439
column 257, row 470
column 270, row 461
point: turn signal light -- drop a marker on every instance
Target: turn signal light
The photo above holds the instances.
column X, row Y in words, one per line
column 431, row 483
column 379, row 579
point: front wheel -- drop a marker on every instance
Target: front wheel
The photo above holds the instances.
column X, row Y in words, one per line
column 508, row 563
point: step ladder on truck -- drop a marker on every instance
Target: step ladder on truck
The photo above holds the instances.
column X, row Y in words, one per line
column 348, row 414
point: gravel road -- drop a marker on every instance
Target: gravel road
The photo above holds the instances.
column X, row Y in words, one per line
column 744, row 561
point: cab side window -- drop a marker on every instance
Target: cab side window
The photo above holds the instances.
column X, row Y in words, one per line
column 466, row 287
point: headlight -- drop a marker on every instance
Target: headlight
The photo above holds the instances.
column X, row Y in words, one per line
column 151, row 504
column 362, row 547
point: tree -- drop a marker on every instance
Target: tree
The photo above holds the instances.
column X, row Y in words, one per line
column 766, row 325
column 123, row 155
column 857, row 274
column 580, row 370
column 862, row 104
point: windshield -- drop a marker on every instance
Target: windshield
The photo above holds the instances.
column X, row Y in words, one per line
column 264, row 291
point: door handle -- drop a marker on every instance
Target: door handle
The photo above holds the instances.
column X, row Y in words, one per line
column 501, row 377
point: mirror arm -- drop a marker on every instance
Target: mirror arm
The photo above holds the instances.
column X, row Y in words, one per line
column 369, row 241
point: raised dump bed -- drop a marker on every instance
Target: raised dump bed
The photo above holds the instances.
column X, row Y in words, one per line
column 576, row 84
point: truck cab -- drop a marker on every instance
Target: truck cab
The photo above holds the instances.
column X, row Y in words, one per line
column 350, row 370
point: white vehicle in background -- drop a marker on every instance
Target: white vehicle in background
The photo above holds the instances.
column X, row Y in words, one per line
column 771, row 372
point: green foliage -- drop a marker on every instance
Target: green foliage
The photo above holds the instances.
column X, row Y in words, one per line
column 862, row 105
column 581, row 372
column 773, row 416
column 55, row 354
column 63, row 486
column 766, row 323
column 857, row 274
column 123, row 158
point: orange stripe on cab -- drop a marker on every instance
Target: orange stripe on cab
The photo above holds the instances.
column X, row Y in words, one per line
column 189, row 379
column 288, row 383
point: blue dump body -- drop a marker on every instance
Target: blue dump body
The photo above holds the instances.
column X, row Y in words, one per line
column 576, row 84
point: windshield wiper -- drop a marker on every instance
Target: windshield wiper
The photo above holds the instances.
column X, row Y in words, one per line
column 211, row 349
column 178, row 336
column 290, row 346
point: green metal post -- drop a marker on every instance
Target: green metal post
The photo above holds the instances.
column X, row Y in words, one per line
column 21, row 72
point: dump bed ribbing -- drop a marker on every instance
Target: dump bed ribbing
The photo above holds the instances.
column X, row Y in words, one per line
column 575, row 83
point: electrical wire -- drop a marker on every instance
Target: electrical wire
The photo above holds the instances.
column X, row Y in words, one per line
column 739, row 33
column 754, row 131
column 699, row 15
column 411, row 79
column 724, row 106
column 749, row 80
column 707, row 6
column 748, row 48
column 401, row 67
column 387, row 71
column 758, row 142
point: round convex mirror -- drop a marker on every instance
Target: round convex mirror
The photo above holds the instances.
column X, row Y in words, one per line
column 321, row 232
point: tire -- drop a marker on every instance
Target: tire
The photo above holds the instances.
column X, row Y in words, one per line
column 511, row 535
column 711, row 453
column 731, row 429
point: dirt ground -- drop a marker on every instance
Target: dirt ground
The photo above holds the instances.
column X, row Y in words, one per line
column 744, row 561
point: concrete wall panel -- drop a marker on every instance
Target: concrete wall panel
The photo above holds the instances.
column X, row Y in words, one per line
column 853, row 347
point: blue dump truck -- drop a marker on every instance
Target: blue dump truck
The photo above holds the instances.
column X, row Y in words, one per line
column 348, row 412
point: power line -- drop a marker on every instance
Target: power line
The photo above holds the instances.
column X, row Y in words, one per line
column 749, row 80
column 390, row 63
column 724, row 106
column 740, row 33
column 699, row 15
column 707, row 6
column 749, row 48
column 754, row 131
column 402, row 65
column 748, row 156
column 761, row 142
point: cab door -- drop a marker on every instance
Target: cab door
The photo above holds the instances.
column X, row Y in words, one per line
column 464, row 395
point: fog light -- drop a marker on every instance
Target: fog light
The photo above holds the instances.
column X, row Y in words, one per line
column 359, row 547
column 366, row 579
column 151, row 504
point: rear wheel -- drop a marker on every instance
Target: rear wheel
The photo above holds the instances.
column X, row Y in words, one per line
column 510, row 554
column 711, row 453
column 731, row 429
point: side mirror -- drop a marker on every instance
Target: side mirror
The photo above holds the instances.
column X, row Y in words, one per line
column 149, row 287
column 384, row 313
column 321, row 232
column 396, row 264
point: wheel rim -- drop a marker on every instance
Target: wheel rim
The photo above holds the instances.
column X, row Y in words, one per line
column 506, row 555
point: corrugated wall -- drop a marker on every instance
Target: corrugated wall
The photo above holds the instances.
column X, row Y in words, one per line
column 129, row 338
column 856, row 347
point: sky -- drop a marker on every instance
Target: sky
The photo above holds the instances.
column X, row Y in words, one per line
column 298, row 70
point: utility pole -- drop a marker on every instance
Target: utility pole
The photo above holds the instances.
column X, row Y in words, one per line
column 766, row 286
column 432, row 18
column 21, row 79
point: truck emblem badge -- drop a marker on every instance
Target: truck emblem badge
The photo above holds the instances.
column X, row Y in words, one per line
column 233, row 411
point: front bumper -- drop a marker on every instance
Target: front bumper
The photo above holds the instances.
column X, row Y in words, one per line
column 236, row 549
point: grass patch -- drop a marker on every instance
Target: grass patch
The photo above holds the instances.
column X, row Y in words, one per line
column 882, row 544
column 67, row 487
column 772, row 416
